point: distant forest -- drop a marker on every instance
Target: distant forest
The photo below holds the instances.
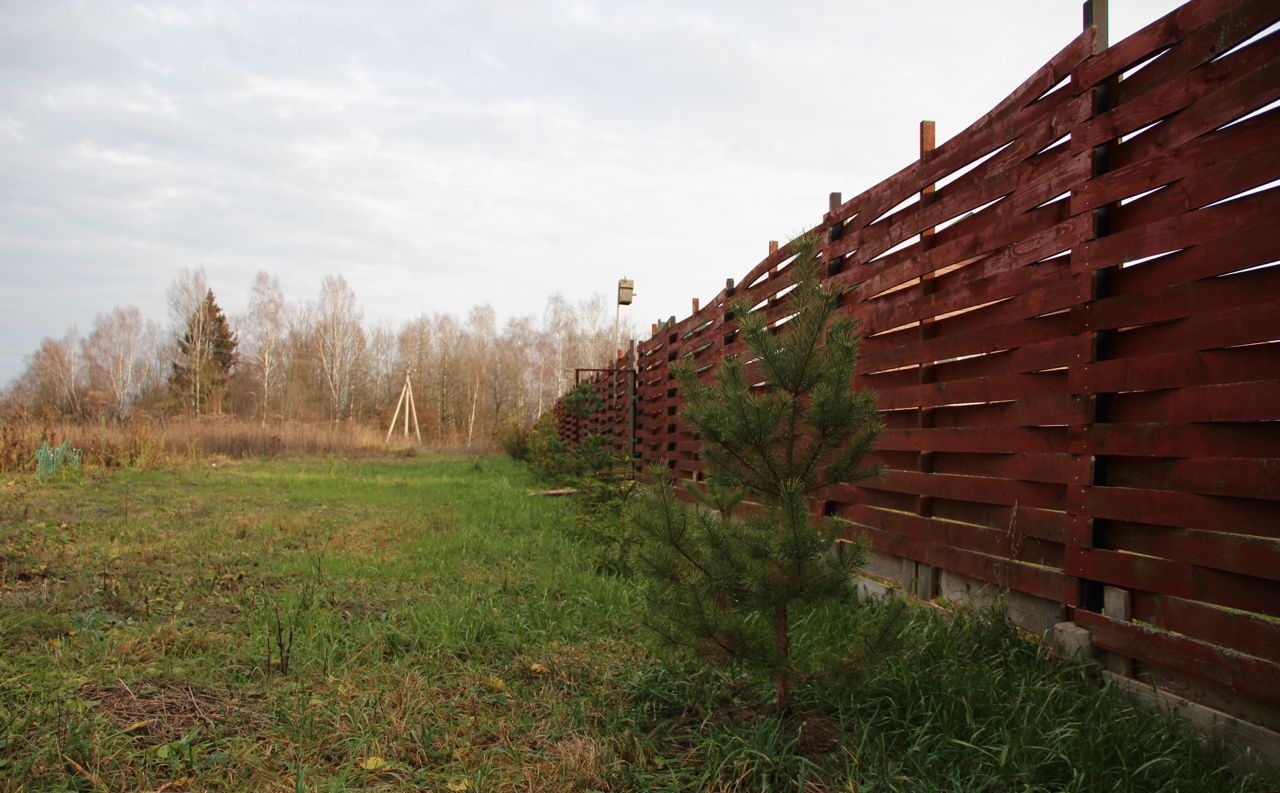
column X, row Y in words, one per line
column 311, row 361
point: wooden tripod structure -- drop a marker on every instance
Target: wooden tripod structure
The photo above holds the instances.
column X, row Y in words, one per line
column 410, row 408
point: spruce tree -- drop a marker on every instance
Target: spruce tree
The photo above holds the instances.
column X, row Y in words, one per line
column 206, row 357
column 727, row 579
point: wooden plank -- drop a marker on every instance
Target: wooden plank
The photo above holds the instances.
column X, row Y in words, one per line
column 953, row 155
column 987, row 490
column 1160, row 34
column 777, row 257
column 1237, row 630
column 1053, row 354
column 995, row 227
column 1249, row 247
column 1180, row 440
column 1244, row 81
column 995, row 388
column 1015, row 174
column 1035, row 580
column 1048, row 468
column 1008, row 335
column 1247, row 746
column 1259, row 478
column 1234, row 553
column 1033, row 243
column 971, row 286
column 1254, row 677
column 1242, row 20
column 1194, row 299
column 1198, row 164
column 981, row 539
column 977, row 439
column 1229, row 179
column 1245, row 325
column 1171, row 370
column 1221, row 106
column 1244, row 402
column 1185, row 510
column 1167, row 577
column 1044, row 409
column 1192, row 228
column 962, row 308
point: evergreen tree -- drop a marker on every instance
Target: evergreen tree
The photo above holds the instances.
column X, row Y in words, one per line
column 726, row 580
column 206, row 358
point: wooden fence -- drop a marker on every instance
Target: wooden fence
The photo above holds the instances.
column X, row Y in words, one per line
column 1071, row 314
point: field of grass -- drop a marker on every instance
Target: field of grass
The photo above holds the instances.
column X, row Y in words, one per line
column 426, row 623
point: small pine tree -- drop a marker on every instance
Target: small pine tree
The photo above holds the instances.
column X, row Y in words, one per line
column 206, row 357
column 583, row 401
column 728, row 583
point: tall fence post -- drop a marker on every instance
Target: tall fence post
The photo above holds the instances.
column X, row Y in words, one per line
column 1084, row 531
column 834, row 234
column 629, row 439
column 923, row 580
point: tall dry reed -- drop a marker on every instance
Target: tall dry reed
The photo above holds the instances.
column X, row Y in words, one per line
column 147, row 443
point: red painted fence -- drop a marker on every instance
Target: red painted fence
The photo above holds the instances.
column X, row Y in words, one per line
column 1071, row 314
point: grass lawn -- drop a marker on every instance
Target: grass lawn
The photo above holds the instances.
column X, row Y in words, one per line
column 425, row 623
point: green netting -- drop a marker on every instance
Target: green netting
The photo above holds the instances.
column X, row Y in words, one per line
column 56, row 460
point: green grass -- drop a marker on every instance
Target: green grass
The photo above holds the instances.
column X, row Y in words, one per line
column 427, row 624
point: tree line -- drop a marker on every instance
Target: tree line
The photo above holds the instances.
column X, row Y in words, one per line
column 314, row 360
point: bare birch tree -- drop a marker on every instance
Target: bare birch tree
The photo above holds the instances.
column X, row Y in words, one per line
column 339, row 341
column 263, row 337
column 188, row 317
column 115, row 358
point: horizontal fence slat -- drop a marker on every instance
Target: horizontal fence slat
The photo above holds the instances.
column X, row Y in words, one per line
column 1240, row 631
column 1180, row 579
column 1162, row 439
column 1248, row 674
column 1185, row 510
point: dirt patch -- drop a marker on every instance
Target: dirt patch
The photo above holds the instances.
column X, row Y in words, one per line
column 818, row 736
column 168, row 709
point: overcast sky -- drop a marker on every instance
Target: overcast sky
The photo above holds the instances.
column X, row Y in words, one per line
column 443, row 154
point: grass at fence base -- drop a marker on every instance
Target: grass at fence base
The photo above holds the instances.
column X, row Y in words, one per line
column 385, row 624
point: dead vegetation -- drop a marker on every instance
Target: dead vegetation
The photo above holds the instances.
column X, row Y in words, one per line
column 150, row 443
column 165, row 710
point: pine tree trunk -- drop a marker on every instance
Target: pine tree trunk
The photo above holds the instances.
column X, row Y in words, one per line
column 782, row 641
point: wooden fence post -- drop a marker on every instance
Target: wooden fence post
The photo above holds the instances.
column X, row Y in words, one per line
column 633, row 364
column 924, row 582
column 834, row 263
column 1084, row 531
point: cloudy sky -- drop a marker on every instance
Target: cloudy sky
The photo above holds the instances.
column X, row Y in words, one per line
column 443, row 154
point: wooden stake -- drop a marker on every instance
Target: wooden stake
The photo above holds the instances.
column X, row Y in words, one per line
column 394, row 416
column 410, row 408
column 413, row 406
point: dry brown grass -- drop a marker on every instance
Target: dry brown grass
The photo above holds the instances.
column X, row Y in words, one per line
column 166, row 709
column 147, row 443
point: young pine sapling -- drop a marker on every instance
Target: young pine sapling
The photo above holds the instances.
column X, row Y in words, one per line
column 777, row 426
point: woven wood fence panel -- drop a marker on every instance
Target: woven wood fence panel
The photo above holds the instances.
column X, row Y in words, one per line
column 1071, row 316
